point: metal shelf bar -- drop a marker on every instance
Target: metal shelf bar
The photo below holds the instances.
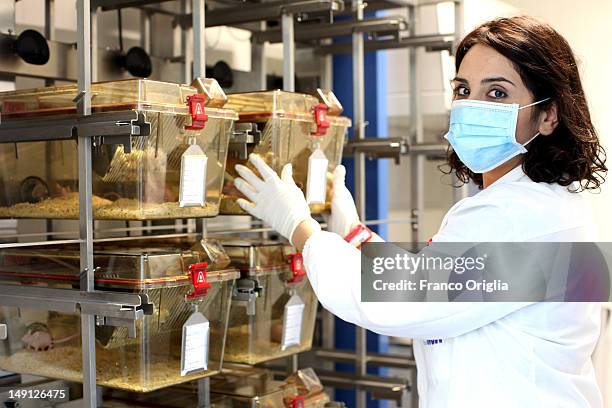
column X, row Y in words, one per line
column 114, row 127
column 380, row 26
column 386, row 388
column 433, row 42
column 29, row 244
column 376, row 359
column 116, row 4
column 130, row 306
column 251, row 13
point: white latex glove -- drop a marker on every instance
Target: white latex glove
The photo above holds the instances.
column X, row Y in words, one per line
column 343, row 211
column 277, row 201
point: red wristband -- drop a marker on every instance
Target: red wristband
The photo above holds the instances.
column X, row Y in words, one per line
column 358, row 235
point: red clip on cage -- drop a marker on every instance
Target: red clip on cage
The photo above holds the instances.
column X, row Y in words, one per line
column 197, row 274
column 297, row 268
column 196, row 110
column 320, row 115
column 297, row 402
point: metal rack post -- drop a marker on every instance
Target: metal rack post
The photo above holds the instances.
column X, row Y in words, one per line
column 258, row 61
column 94, row 43
column 328, row 320
column 288, row 53
column 49, row 28
column 359, row 133
column 462, row 192
column 199, row 45
column 145, row 30
column 416, row 135
column 187, row 45
column 83, row 103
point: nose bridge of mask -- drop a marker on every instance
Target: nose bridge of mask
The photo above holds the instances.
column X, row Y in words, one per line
column 484, row 118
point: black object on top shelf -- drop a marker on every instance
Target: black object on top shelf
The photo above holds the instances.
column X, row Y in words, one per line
column 136, row 61
column 32, row 47
column 222, row 72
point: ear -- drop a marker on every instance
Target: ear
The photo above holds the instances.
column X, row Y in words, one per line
column 549, row 120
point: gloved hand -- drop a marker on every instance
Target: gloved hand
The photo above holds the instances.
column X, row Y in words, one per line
column 343, row 211
column 277, row 201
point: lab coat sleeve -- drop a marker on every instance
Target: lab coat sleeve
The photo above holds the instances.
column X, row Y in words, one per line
column 334, row 270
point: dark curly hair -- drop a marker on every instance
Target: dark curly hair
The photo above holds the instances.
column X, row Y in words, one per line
column 547, row 66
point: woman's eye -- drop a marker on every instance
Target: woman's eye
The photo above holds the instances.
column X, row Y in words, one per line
column 461, row 91
column 497, row 94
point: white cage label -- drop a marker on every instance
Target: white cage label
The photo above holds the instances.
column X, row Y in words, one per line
column 194, row 349
column 193, row 177
column 316, row 185
column 292, row 322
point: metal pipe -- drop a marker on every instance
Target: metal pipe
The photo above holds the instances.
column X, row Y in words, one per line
column 288, row 53
column 259, row 63
column 359, row 126
column 145, row 30
column 389, row 26
column 199, row 44
column 49, row 28
column 29, row 244
column 83, row 103
column 435, row 42
column 377, row 359
column 94, row 44
column 416, row 135
column 462, row 192
column 187, row 45
column 292, row 363
column 327, row 69
column 155, row 228
column 204, row 392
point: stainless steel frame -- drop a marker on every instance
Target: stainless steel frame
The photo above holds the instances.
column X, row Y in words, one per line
column 269, row 10
column 111, row 308
column 287, row 24
column 433, row 42
column 382, row 26
column 359, row 125
column 83, row 104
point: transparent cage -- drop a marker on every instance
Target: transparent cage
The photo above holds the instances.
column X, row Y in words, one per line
column 40, row 179
column 262, row 319
column 48, row 343
column 237, row 386
column 249, row 387
column 292, row 127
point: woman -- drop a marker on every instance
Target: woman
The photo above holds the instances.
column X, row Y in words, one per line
column 520, row 129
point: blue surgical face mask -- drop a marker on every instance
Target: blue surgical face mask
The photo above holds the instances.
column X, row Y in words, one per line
column 483, row 134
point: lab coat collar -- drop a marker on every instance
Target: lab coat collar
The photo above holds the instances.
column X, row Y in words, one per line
column 513, row 175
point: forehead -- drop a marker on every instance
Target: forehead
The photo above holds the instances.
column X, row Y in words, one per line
column 482, row 62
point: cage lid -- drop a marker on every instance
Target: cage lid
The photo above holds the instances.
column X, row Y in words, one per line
column 258, row 257
column 113, row 96
column 116, row 266
column 253, row 106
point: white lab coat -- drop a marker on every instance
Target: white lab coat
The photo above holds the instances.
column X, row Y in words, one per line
column 491, row 354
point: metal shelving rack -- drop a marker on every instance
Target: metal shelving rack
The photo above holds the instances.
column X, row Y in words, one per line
column 387, row 33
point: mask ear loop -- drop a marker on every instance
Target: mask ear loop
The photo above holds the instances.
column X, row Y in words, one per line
column 526, row 106
column 535, row 103
column 530, row 140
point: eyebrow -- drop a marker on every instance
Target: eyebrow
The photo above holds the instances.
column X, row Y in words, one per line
column 484, row 81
